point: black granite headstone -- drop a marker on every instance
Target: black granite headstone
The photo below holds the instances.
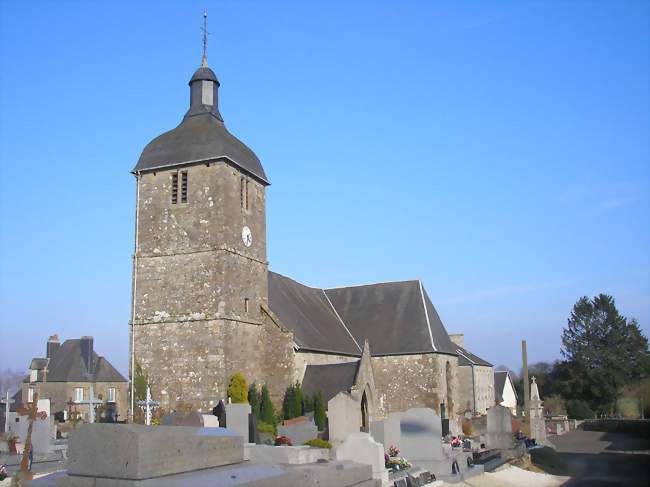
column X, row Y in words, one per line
column 220, row 412
column 253, row 434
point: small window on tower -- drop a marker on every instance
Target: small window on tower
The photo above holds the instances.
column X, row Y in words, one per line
column 246, row 305
column 241, row 191
column 174, row 188
column 184, row 187
column 246, row 194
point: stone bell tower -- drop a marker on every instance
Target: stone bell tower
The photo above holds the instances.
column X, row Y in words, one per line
column 200, row 265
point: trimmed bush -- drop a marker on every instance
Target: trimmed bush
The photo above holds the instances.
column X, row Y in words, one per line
column 238, row 389
column 318, row 443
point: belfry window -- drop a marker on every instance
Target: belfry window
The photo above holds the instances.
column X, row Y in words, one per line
column 243, row 193
column 246, row 305
column 184, row 187
column 174, row 188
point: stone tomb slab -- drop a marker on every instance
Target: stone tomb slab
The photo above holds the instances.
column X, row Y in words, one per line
column 299, row 432
column 135, row 452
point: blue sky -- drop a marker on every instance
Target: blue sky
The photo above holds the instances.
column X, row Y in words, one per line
column 499, row 151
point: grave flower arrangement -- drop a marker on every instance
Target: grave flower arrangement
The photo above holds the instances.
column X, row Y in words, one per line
column 3, row 472
column 393, row 461
column 283, row 441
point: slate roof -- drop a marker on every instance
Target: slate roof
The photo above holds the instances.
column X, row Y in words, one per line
column 309, row 314
column 200, row 137
column 500, row 382
column 397, row 318
column 465, row 357
column 330, row 379
column 38, row 364
column 67, row 365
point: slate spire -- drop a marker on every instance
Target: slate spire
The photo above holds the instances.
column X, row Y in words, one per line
column 204, row 85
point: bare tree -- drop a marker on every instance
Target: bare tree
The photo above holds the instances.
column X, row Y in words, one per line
column 10, row 381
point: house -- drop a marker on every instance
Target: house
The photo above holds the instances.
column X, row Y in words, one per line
column 67, row 375
column 505, row 393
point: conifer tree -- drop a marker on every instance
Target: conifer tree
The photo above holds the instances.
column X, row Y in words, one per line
column 267, row 411
column 254, row 400
column 289, row 402
column 320, row 417
column 298, row 407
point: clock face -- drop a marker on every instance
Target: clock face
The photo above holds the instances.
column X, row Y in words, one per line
column 246, row 236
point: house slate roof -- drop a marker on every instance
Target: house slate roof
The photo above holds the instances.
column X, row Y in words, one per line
column 330, row 379
column 397, row 318
column 67, row 365
column 500, row 377
column 38, row 364
column 465, row 357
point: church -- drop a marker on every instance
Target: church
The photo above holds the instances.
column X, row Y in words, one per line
column 206, row 305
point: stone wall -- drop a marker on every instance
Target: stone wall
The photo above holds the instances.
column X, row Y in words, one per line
column 407, row 381
column 59, row 393
column 193, row 362
column 476, row 383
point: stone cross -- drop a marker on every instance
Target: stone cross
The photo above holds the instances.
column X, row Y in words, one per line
column 7, row 402
column 148, row 405
column 92, row 401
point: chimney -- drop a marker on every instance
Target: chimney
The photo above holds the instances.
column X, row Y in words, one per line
column 53, row 345
column 458, row 339
column 87, row 352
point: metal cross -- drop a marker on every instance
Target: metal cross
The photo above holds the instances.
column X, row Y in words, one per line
column 204, row 60
column 7, row 402
column 148, row 405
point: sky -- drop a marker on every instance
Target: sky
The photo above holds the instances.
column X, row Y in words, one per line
column 498, row 151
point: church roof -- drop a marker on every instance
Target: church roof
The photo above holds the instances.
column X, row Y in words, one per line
column 67, row 365
column 397, row 318
column 201, row 136
column 309, row 314
column 465, row 357
column 330, row 379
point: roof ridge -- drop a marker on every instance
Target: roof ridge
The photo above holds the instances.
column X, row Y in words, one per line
column 370, row 284
column 426, row 315
column 341, row 320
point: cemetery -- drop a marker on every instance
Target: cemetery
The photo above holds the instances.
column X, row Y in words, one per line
column 244, row 441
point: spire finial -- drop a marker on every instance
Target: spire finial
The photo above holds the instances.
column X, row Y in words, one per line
column 204, row 59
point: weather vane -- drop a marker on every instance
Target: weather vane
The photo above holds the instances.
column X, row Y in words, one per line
column 204, row 60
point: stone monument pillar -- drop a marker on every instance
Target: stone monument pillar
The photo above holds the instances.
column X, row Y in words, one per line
column 536, row 416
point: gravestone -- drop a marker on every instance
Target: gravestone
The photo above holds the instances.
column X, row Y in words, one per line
column 181, row 418
column 420, row 436
column 220, row 412
column 362, row 448
column 499, row 428
column 253, row 434
column 299, row 432
column 237, row 418
column 537, row 420
column 43, row 431
column 344, row 417
column 210, row 421
column 391, row 430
